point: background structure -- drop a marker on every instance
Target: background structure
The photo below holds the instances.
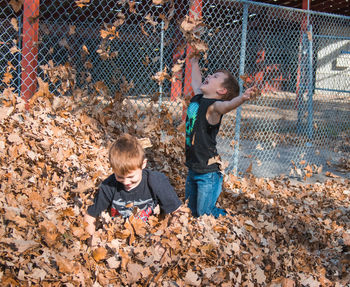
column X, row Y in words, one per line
column 300, row 59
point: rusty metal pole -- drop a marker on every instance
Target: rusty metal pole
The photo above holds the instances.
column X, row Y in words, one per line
column 29, row 61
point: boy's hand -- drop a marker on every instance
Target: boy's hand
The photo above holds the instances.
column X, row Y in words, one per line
column 194, row 60
column 251, row 93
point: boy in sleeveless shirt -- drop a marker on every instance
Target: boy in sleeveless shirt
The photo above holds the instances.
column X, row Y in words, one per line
column 217, row 95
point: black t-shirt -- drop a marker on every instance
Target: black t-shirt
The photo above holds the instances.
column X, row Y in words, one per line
column 200, row 136
column 153, row 189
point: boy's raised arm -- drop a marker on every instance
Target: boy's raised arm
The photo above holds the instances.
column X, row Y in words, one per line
column 221, row 108
column 227, row 106
column 196, row 76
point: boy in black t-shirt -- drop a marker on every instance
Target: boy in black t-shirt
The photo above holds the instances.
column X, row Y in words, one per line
column 217, row 95
column 131, row 185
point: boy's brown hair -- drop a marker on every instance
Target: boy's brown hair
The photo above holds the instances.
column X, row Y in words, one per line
column 230, row 84
column 126, row 155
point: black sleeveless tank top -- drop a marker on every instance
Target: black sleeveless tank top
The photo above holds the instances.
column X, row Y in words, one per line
column 200, row 136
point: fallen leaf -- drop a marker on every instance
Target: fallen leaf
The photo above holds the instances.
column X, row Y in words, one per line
column 99, row 253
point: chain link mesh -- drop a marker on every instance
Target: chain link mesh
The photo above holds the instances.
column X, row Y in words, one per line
column 300, row 60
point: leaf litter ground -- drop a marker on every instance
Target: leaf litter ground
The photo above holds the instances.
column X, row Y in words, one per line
column 53, row 157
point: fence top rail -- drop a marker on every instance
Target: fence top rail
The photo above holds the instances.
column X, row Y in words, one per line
column 310, row 12
column 331, row 37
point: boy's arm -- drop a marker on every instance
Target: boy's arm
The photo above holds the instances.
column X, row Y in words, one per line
column 162, row 189
column 196, row 76
column 220, row 108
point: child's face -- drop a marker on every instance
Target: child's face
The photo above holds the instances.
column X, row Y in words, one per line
column 213, row 84
column 131, row 179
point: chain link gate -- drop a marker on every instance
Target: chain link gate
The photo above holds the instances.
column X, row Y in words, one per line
column 300, row 60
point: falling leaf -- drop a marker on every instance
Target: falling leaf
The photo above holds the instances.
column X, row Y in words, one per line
column 85, row 50
column 146, row 61
column 7, row 77
column 120, row 19
column 249, row 169
column 159, row 2
column 132, row 8
column 17, row 5
column 72, row 29
column 149, row 20
column 176, row 68
column 259, row 147
column 188, row 24
column 82, row 3
column 64, row 43
column 14, row 24
column 14, row 50
column 33, row 19
column 143, row 30
column 161, row 76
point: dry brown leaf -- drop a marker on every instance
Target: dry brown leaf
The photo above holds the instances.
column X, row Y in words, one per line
column 330, row 174
column 249, row 169
column 145, row 142
column 64, row 265
column 99, row 253
column 14, row 24
column 143, row 29
column 161, row 76
column 16, row 5
column 192, row 278
column 82, row 3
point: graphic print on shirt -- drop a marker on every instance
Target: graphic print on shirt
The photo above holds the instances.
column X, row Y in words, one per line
column 119, row 207
column 192, row 112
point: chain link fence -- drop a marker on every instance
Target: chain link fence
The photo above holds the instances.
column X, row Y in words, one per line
column 299, row 59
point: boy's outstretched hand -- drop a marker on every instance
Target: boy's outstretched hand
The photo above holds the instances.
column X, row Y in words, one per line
column 251, row 93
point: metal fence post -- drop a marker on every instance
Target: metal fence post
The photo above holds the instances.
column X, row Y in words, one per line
column 29, row 48
column 19, row 56
column 241, row 72
column 310, row 85
column 161, row 63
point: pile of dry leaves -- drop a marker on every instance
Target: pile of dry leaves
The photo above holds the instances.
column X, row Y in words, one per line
column 54, row 155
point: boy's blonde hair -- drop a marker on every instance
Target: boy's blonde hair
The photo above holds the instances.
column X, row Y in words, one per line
column 126, row 155
column 230, row 84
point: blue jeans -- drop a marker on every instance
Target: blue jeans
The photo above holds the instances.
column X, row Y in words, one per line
column 202, row 191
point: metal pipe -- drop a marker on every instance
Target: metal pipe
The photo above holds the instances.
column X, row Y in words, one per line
column 20, row 31
column 289, row 9
column 332, row 90
column 161, row 64
column 241, row 72
column 29, row 60
column 310, row 86
column 332, row 37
